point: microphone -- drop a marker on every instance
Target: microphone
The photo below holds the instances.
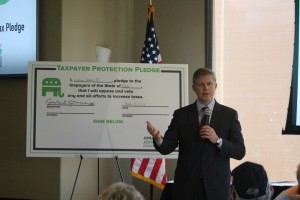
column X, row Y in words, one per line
column 205, row 118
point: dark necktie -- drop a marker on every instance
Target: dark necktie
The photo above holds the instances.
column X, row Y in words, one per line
column 205, row 118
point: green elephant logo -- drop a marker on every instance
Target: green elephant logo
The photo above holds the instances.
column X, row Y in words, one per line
column 3, row 2
column 52, row 85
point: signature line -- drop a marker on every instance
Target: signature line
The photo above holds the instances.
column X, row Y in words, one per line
column 68, row 113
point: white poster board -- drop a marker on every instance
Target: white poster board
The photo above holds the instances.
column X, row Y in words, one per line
column 100, row 110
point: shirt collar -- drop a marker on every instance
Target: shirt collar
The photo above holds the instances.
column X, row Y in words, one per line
column 210, row 105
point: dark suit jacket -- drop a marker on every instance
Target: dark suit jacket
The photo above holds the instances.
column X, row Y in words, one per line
column 183, row 131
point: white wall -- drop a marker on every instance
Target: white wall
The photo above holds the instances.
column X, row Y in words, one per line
column 86, row 24
column 120, row 25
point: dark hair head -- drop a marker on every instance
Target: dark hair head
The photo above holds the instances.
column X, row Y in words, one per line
column 250, row 180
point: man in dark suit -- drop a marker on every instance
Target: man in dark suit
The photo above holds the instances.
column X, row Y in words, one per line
column 203, row 165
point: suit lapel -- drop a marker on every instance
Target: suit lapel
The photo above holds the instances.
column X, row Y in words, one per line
column 194, row 116
column 215, row 115
column 194, row 119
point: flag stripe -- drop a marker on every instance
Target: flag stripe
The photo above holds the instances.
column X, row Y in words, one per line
column 161, row 175
column 143, row 166
column 155, row 169
column 161, row 178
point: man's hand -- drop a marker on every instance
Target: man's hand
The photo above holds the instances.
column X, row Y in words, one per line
column 292, row 192
column 206, row 132
column 153, row 131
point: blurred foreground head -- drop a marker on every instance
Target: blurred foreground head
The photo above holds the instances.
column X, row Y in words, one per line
column 250, row 181
column 121, row 191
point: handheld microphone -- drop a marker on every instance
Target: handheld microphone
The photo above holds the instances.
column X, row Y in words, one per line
column 206, row 116
column 205, row 119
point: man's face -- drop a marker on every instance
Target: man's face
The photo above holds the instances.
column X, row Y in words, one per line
column 205, row 88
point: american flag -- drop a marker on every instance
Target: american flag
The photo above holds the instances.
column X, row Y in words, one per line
column 151, row 170
column 150, row 52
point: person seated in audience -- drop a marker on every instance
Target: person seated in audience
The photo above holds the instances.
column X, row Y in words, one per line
column 293, row 192
column 121, row 191
column 250, row 181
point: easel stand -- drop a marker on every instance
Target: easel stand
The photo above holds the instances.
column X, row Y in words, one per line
column 119, row 168
column 120, row 171
column 76, row 177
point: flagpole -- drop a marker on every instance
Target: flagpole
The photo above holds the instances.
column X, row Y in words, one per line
column 151, row 186
column 151, row 192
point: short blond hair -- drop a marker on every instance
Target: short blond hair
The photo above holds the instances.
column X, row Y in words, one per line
column 203, row 72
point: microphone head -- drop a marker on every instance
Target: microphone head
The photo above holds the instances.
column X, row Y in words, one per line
column 207, row 111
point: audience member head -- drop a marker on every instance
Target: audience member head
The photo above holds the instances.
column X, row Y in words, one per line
column 121, row 191
column 250, row 181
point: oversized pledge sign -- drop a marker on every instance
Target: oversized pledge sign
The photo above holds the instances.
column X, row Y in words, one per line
column 100, row 110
